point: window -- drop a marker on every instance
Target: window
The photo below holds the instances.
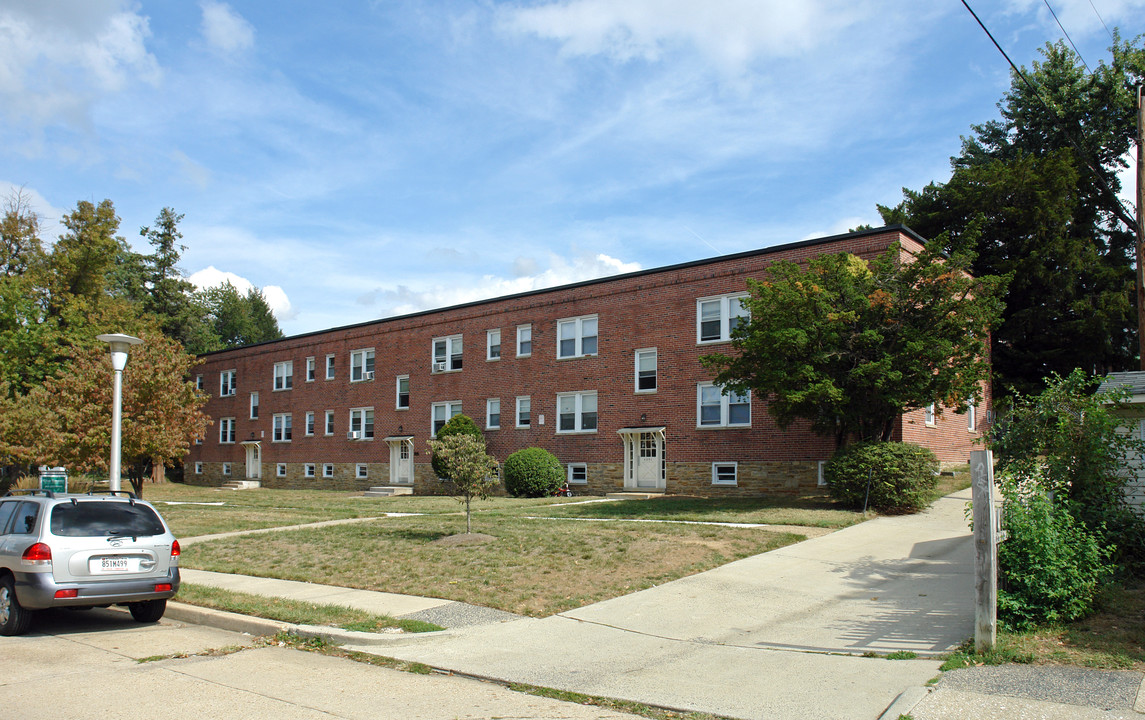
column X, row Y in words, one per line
column 254, row 406
column 403, row 392
column 309, row 424
column 524, row 340
column 308, row 470
column 576, row 412
column 227, row 383
column 328, row 470
column 198, row 382
column 309, row 369
column 226, row 430
column 716, row 318
column 226, row 468
column 362, row 470
column 198, row 468
column 724, row 473
column 361, row 424
column 928, row 415
column 578, row 474
column 329, row 422
column 199, row 441
column 646, row 370
column 280, row 469
column 447, row 354
column 717, row 409
column 493, row 345
column 576, row 337
column 524, row 408
column 972, row 415
column 284, row 375
column 361, row 365
column 492, row 413
column 822, row 477
column 330, row 367
column 281, row 428
column 441, row 412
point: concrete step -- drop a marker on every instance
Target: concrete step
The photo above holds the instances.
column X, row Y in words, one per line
column 633, row 495
column 242, row 485
column 388, row 491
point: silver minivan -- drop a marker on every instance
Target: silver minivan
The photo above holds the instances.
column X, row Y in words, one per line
column 82, row 551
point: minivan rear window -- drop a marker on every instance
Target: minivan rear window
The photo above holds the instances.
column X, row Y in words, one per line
column 104, row 519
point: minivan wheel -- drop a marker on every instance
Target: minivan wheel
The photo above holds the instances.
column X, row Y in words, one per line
column 147, row 611
column 14, row 619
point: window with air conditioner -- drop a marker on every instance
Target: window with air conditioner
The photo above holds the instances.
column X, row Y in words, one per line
column 362, row 365
column 227, row 383
column 362, row 423
column 447, row 352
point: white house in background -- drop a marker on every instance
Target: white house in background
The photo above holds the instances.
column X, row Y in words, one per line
column 1132, row 413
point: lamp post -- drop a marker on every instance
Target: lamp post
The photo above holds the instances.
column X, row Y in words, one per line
column 119, row 346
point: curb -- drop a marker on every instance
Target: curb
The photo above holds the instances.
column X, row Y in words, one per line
column 904, row 703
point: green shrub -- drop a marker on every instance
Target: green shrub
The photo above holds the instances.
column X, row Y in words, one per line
column 900, row 475
column 1050, row 566
column 456, row 425
column 533, row 472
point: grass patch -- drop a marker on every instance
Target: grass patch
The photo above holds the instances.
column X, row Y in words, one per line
column 530, row 568
column 947, row 484
column 808, row 510
column 212, row 652
column 295, row 611
column 627, row 706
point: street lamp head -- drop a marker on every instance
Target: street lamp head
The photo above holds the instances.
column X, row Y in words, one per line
column 119, row 346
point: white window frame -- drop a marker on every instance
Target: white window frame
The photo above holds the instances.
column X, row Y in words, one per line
column 282, row 428
column 308, row 470
column 579, row 400
column 308, row 428
column 725, row 407
column 331, row 364
column 489, row 414
column 448, row 410
column 361, row 471
column 227, row 383
column 453, row 358
column 398, row 392
column 226, row 468
column 327, row 470
column 328, row 423
column 525, row 337
column 972, row 415
column 283, row 375
column 583, row 467
column 280, row 470
column 199, row 382
column 655, row 370
column 493, row 345
column 725, row 309
column 227, row 431
column 822, row 477
column 254, row 406
column 198, row 467
column 575, row 326
column 929, row 416
column 527, row 400
column 310, row 369
column 716, row 479
column 362, row 365
column 358, row 417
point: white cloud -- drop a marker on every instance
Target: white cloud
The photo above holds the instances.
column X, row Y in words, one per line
column 275, row 296
column 731, row 33
column 58, row 56
column 224, row 29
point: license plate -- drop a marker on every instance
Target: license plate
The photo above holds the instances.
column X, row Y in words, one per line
column 113, row 564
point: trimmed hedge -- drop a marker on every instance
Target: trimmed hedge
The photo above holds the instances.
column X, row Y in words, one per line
column 532, row 472
column 456, row 425
column 901, row 476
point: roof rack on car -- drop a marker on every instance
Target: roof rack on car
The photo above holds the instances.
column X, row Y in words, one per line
column 31, row 491
column 128, row 493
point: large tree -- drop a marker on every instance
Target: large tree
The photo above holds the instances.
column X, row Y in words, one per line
column 237, row 319
column 850, row 345
column 1035, row 195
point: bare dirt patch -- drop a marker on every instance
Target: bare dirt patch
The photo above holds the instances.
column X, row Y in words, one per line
column 465, row 539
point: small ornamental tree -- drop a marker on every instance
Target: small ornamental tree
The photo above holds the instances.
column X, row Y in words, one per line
column 456, row 425
column 463, row 460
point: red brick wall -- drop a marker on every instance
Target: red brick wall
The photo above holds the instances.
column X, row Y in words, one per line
column 641, row 310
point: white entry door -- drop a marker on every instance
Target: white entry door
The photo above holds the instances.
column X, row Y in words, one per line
column 253, row 460
column 401, row 461
column 644, row 465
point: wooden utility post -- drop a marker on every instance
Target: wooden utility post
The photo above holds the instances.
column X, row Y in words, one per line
column 1140, row 228
column 985, row 550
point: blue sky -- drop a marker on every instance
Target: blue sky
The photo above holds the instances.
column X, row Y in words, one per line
column 360, row 159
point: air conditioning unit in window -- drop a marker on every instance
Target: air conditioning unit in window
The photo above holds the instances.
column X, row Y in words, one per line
column 439, row 367
column 368, row 375
column 353, row 435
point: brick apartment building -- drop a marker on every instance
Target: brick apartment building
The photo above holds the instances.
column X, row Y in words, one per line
column 605, row 374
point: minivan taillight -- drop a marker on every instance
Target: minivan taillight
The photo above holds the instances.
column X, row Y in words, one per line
column 38, row 554
column 175, row 549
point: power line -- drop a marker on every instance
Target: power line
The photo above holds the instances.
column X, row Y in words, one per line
column 1095, row 12
column 1067, row 37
